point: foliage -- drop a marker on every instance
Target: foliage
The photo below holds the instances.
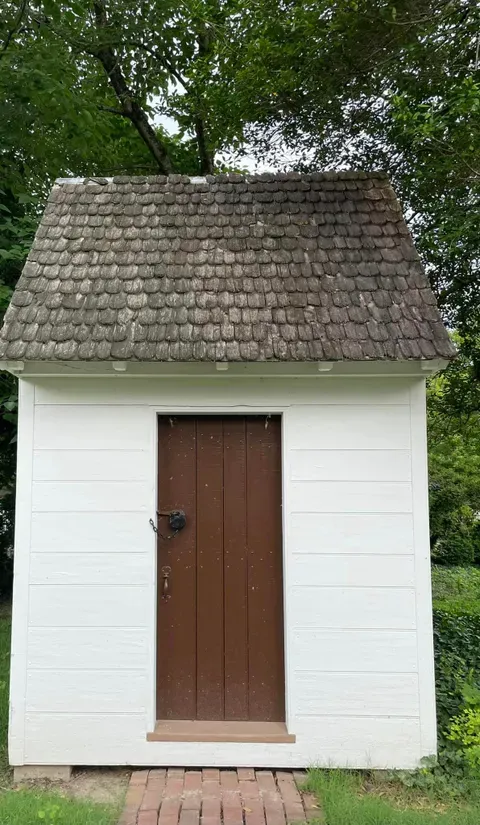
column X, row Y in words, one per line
column 358, row 799
column 369, row 84
column 465, row 730
column 36, row 807
column 456, row 584
column 457, row 674
column 454, row 466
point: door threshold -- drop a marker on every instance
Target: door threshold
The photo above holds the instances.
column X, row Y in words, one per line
column 185, row 730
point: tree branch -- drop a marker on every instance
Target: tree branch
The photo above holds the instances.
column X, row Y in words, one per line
column 112, row 110
column 16, row 25
column 130, row 107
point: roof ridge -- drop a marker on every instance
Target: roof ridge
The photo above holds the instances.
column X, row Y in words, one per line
column 262, row 177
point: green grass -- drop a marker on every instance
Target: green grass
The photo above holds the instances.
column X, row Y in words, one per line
column 346, row 798
column 34, row 806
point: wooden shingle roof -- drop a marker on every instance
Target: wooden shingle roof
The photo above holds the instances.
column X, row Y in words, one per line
column 255, row 268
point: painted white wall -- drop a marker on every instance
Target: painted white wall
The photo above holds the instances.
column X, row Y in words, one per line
column 359, row 663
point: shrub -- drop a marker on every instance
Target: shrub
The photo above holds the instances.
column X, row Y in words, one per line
column 455, row 583
column 457, row 654
column 457, row 674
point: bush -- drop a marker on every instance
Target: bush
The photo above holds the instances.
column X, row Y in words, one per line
column 456, row 583
column 457, row 654
column 457, row 674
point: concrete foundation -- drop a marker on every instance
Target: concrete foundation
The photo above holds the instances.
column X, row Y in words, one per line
column 55, row 773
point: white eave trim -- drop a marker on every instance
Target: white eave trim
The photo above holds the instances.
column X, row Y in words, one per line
column 222, row 369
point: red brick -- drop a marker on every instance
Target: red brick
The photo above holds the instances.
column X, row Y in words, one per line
column 177, row 773
column 139, row 778
column 232, row 808
column 249, row 790
column 190, row 817
column 151, row 799
column 211, row 809
column 211, row 773
column 147, row 818
column 254, row 812
column 229, row 780
column 211, row 788
column 174, row 783
column 274, row 810
column 193, row 781
column 246, row 773
column 169, row 812
column 266, row 781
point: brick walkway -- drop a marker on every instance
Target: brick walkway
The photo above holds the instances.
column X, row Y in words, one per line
column 175, row 796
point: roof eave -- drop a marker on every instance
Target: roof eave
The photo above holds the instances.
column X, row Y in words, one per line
column 223, row 369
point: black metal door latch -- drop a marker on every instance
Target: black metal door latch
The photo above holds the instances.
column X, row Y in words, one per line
column 176, row 522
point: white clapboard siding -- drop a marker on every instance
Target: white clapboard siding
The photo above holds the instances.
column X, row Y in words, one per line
column 87, row 648
column 382, row 651
column 78, row 738
column 376, row 533
column 356, row 570
column 353, row 607
column 350, row 465
column 87, row 691
column 90, row 568
column 70, row 532
column 356, row 694
column 350, row 497
column 82, row 605
column 221, row 390
column 351, row 742
column 350, row 428
column 91, row 465
column 85, row 496
column 92, row 427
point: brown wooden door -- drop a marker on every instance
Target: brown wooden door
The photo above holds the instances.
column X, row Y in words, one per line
column 220, row 632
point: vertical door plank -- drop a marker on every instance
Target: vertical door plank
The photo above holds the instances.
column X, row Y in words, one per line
column 235, row 569
column 176, row 617
column 210, row 639
column 265, row 591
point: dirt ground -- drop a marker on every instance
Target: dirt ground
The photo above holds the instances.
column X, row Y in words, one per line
column 104, row 785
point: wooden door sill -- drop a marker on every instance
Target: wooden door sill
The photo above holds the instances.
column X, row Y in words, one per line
column 185, row 730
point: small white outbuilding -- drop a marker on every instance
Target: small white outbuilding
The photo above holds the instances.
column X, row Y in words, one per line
column 222, row 544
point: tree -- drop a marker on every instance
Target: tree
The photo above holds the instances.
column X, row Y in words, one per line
column 365, row 84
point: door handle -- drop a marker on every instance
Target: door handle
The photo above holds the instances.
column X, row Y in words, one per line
column 166, row 570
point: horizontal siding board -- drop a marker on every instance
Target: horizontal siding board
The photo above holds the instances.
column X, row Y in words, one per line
column 350, row 427
column 84, row 648
column 376, row 533
column 83, row 739
column 86, row 496
column 350, row 465
column 348, row 742
column 350, row 497
column 77, row 427
column 92, row 465
column 356, row 694
column 91, row 533
column 353, row 607
column 384, row 651
column 204, row 392
column 356, row 570
column 86, row 606
column 91, row 568
column 87, row 691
